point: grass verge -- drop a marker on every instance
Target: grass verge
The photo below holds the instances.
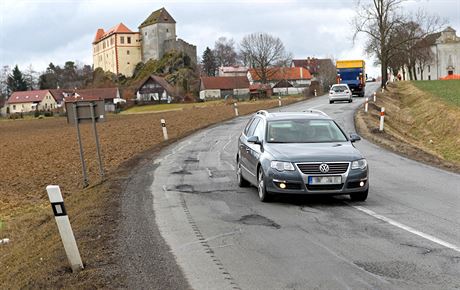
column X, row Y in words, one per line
column 418, row 124
column 448, row 91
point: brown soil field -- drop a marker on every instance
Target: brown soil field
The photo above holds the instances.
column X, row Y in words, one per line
column 417, row 125
column 36, row 153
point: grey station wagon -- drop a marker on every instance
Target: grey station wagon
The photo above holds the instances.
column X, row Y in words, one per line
column 300, row 153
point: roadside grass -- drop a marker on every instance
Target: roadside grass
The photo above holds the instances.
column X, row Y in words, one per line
column 418, row 123
column 448, row 90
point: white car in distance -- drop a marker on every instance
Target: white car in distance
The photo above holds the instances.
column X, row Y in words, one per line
column 340, row 92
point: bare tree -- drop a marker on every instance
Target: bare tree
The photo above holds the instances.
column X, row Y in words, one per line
column 327, row 73
column 423, row 55
column 380, row 21
column 224, row 52
column 5, row 71
column 262, row 51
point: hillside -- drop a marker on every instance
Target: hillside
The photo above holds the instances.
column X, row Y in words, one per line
column 175, row 67
column 422, row 121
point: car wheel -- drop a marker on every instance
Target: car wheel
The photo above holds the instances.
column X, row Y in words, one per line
column 330, row 102
column 359, row 196
column 241, row 181
column 263, row 195
column 350, row 100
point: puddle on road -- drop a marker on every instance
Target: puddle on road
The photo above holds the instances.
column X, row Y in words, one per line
column 185, row 188
column 258, row 220
column 182, row 172
column 191, row 160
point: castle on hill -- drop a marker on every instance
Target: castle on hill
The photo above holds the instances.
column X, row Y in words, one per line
column 119, row 49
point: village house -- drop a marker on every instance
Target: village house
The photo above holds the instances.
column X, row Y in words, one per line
column 111, row 96
column 258, row 90
column 313, row 65
column 283, row 80
column 119, row 49
column 232, row 71
column 220, row 87
column 29, row 101
column 156, row 89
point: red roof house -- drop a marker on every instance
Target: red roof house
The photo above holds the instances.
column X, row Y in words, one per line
column 219, row 87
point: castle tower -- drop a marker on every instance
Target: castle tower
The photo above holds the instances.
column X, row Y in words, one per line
column 154, row 31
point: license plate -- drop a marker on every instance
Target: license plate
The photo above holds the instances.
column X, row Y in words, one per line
column 324, row 180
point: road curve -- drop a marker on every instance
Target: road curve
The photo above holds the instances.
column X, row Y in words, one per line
column 405, row 236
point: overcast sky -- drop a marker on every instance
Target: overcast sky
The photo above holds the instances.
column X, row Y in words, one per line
column 38, row 32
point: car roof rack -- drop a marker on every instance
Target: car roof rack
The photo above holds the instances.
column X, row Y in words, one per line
column 314, row 111
column 262, row 112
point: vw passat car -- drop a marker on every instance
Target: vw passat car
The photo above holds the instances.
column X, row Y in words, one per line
column 340, row 92
column 300, row 153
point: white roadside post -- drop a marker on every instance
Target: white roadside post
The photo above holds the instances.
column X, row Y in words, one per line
column 382, row 117
column 4, row 241
column 375, row 96
column 64, row 227
column 279, row 101
column 315, row 93
column 235, row 105
column 366, row 105
column 383, row 89
column 165, row 131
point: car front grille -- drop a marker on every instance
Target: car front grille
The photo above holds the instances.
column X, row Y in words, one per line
column 313, row 168
column 325, row 187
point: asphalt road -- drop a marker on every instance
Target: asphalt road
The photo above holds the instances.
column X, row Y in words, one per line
column 405, row 236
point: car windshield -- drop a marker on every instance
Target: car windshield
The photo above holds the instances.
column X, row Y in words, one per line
column 339, row 88
column 304, row 131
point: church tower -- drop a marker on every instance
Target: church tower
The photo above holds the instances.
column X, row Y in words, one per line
column 154, row 31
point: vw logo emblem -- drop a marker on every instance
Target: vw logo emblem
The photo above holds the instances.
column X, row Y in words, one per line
column 324, row 168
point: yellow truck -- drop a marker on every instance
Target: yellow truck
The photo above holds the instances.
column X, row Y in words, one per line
column 352, row 73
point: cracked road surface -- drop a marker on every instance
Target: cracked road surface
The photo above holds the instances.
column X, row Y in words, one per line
column 405, row 236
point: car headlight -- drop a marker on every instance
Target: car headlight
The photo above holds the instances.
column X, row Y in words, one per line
column 359, row 164
column 282, row 166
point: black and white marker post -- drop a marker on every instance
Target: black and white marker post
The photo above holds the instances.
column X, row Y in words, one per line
column 65, row 230
column 165, row 131
column 279, row 101
column 235, row 105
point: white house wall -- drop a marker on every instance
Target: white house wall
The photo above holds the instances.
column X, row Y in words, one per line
column 210, row 94
column 289, row 91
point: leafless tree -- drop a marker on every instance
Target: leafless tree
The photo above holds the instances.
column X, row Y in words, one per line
column 380, row 20
column 224, row 52
column 423, row 55
column 327, row 73
column 4, row 72
column 262, row 51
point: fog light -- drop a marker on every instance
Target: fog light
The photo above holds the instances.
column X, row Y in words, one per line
column 361, row 183
column 282, row 185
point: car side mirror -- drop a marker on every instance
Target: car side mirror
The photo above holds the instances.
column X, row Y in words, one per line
column 354, row 137
column 254, row 139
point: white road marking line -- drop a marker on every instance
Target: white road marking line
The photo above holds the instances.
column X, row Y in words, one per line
column 231, row 165
column 407, row 228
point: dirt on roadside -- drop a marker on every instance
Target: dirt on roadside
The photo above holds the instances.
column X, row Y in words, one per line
column 36, row 153
column 417, row 125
